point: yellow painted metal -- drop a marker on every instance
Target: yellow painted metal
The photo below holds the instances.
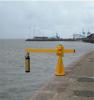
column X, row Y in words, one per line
column 59, row 52
column 49, row 50
column 27, row 63
column 69, row 51
column 60, row 67
column 40, row 50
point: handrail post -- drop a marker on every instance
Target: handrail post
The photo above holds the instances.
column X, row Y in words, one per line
column 60, row 66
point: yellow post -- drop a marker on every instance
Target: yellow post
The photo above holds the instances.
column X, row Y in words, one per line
column 27, row 63
column 60, row 66
column 59, row 71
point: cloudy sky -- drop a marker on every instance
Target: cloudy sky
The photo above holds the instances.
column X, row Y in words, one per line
column 23, row 19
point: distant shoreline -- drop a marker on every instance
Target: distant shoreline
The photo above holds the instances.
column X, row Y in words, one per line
column 51, row 40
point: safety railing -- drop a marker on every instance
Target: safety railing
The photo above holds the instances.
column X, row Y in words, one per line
column 59, row 50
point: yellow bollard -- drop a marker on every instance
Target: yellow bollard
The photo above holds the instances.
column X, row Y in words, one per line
column 60, row 66
column 59, row 71
column 27, row 63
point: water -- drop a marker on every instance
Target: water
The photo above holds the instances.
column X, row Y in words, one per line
column 15, row 84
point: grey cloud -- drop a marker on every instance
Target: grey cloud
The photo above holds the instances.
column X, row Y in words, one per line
column 22, row 19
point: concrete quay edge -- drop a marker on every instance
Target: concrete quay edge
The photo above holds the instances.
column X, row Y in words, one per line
column 66, row 87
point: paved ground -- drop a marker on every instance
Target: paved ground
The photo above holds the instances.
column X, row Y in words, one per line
column 77, row 84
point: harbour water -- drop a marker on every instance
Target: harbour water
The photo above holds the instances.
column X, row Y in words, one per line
column 15, row 84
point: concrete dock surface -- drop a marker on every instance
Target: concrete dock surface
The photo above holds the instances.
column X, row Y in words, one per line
column 77, row 84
